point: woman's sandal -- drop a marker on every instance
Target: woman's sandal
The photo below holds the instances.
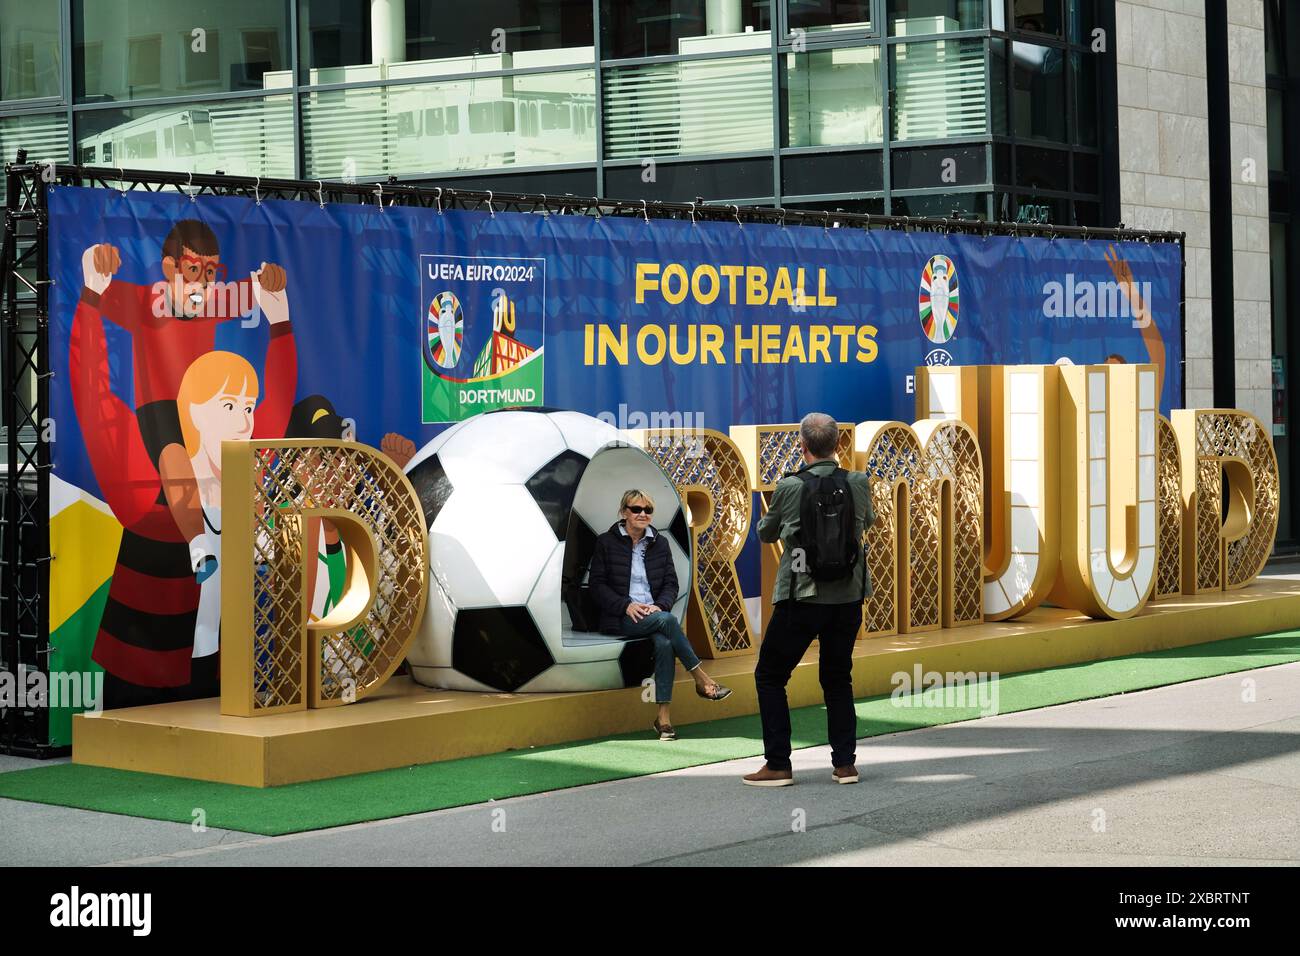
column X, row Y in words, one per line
column 665, row 731
column 719, row 692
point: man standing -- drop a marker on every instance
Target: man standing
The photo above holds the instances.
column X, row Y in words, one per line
column 819, row 515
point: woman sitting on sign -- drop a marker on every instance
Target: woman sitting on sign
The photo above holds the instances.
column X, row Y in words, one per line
column 634, row 584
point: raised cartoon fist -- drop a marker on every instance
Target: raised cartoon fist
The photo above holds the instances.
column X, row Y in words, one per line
column 273, row 277
column 397, row 447
column 98, row 263
column 272, row 300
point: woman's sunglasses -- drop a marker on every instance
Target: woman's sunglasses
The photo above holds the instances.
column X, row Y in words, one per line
column 637, row 509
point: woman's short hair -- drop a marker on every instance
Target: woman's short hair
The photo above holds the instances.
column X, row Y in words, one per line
column 631, row 495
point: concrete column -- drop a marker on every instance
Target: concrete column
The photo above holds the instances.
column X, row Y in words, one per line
column 722, row 16
column 387, row 31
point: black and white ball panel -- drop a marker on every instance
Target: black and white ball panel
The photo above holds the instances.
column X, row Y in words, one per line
column 510, row 497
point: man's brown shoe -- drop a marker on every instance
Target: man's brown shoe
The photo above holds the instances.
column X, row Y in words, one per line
column 767, row 777
column 847, row 774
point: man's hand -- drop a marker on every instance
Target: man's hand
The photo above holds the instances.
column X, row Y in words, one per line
column 400, row 449
column 272, row 300
column 98, row 263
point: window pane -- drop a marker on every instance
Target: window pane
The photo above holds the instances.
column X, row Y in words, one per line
column 1276, row 130
column 246, row 137
column 1043, row 168
column 942, row 205
column 918, row 17
column 939, row 89
column 937, row 166
column 149, row 48
column 1038, row 100
column 537, row 119
column 635, row 28
column 695, row 107
column 349, row 40
column 817, row 15
column 839, row 171
column 715, row 180
column 833, row 98
column 1037, row 16
column 1042, row 210
column 45, row 138
column 1082, row 15
column 30, row 63
column 1085, row 97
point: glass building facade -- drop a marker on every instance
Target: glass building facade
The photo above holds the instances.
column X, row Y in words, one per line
column 986, row 108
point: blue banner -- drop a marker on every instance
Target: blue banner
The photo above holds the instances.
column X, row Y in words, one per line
column 393, row 322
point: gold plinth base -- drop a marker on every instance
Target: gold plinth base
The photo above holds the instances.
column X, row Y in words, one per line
column 405, row 723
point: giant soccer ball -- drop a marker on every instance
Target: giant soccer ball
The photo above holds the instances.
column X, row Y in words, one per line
column 513, row 501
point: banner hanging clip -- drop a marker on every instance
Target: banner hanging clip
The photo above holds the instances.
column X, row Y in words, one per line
column 379, row 196
column 546, row 210
column 257, row 190
column 439, row 200
column 189, row 186
column 645, row 214
column 121, row 179
column 492, row 212
column 735, row 211
column 320, row 193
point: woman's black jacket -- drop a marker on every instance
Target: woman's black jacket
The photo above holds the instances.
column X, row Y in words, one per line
column 611, row 575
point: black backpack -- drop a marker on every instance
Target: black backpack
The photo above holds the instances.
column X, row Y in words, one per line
column 826, row 514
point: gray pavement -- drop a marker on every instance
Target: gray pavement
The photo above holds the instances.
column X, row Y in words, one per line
column 1192, row 774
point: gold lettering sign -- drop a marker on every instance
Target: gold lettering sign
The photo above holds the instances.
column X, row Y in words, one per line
column 1107, row 425
column 771, row 452
column 1012, row 409
column 709, row 474
column 924, row 549
column 1169, row 513
column 1225, row 445
column 280, row 499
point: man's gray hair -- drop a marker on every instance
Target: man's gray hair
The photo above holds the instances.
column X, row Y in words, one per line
column 820, row 434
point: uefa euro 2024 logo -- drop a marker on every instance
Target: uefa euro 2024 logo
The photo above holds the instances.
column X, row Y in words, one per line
column 938, row 305
column 938, row 301
column 444, row 331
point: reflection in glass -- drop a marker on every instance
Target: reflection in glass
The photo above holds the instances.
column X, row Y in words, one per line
column 1037, row 16
column 150, row 48
column 536, row 119
column 344, row 41
column 943, row 205
column 241, row 137
column 815, row 15
column 1038, row 84
column 1085, row 97
column 919, row 17
column 833, row 98
column 939, row 89
column 694, row 107
column 45, row 137
column 1082, row 15
column 636, row 28
column 30, row 60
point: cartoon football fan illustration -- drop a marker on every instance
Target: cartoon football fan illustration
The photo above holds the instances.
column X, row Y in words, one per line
column 172, row 323
column 149, row 641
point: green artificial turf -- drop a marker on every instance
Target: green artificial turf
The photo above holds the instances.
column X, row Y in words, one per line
column 391, row 793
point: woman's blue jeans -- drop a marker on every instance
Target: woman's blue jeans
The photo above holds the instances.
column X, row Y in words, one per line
column 671, row 645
